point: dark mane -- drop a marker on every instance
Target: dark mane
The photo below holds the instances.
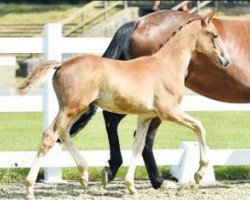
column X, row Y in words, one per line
column 174, row 33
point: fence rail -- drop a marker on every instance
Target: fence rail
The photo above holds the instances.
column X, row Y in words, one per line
column 53, row 45
column 219, row 157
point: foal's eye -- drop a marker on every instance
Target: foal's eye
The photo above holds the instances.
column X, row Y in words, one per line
column 215, row 36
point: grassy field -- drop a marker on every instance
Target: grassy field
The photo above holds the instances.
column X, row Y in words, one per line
column 22, row 131
column 34, row 13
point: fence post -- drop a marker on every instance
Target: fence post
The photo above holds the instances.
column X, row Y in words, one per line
column 52, row 51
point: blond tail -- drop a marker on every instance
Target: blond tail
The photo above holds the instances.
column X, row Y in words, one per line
column 37, row 76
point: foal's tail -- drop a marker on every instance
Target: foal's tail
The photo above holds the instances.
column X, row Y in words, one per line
column 119, row 49
column 37, row 76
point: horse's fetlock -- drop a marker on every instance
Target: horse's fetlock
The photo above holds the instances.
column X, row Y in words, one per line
column 29, row 183
column 204, row 163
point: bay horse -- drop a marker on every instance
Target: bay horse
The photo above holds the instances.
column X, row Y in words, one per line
column 149, row 86
column 142, row 37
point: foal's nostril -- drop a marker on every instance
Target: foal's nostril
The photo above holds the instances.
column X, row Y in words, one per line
column 224, row 61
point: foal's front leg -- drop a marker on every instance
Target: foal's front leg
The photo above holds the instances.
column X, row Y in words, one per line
column 201, row 134
column 139, row 143
column 188, row 121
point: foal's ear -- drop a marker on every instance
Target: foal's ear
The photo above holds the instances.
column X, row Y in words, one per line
column 205, row 19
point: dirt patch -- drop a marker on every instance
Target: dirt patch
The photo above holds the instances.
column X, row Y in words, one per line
column 71, row 191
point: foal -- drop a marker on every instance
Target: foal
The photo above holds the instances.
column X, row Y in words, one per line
column 148, row 86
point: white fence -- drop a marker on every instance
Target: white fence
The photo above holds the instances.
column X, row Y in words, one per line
column 53, row 45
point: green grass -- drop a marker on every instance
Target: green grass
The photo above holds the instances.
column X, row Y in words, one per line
column 221, row 173
column 22, row 131
column 34, row 13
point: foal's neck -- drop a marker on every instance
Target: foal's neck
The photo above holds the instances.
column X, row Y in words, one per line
column 179, row 48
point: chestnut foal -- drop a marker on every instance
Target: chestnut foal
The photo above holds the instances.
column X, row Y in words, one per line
column 149, row 86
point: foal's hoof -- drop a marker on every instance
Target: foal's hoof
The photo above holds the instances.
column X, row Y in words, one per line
column 84, row 180
column 105, row 176
column 198, row 177
column 84, row 183
column 131, row 187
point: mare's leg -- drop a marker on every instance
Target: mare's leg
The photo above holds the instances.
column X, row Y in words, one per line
column 111, row 121
column 50, row 135
column 83, row 120
column 148, row 156
column 188, row 121
column 139, row 143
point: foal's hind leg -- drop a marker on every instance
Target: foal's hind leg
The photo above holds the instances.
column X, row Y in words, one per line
column 139, row 143
column 80, row 161
column 50, row 135
column 188, row 121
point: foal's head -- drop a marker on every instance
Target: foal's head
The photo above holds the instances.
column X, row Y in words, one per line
column 210, row 43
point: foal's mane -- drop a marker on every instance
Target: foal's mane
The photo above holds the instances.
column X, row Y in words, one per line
column 175, row 32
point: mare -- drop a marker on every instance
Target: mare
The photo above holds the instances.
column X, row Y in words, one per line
column 114, row 85
column 144, row 36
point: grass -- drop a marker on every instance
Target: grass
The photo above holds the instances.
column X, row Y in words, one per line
column 34, row 13
column 22, row 131
column 221, row 173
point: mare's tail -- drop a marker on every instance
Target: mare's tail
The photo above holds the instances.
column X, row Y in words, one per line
column 37, row 76
column 119, row 49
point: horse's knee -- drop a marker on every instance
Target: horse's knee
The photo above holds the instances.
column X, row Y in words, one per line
column 49, row 139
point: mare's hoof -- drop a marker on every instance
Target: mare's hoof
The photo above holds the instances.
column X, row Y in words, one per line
column 131, row 187
column 198, row 177
column 168, row 185
column 105, row 177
